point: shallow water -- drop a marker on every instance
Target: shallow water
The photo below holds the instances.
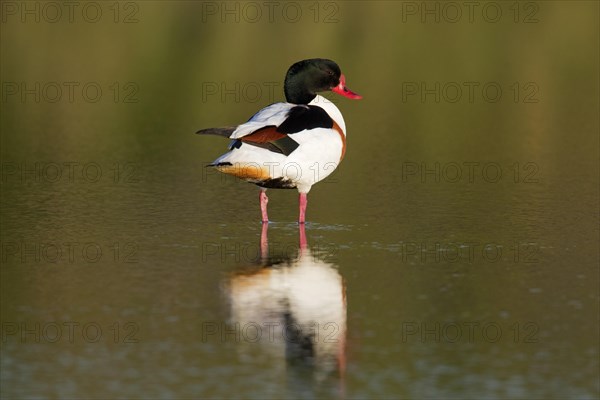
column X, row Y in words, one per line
column 453, row 254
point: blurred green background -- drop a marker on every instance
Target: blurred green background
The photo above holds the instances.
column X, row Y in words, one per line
column 168, row 68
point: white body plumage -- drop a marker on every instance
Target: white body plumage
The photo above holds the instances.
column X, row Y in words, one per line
column 319, row 152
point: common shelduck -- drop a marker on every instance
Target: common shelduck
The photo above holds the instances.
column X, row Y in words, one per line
column 294, row 144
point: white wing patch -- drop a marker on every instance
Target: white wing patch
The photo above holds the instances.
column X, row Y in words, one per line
column 272, row 115
column 276, row 114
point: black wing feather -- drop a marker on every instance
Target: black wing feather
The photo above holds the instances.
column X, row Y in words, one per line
column 286, row 145
column 305, row 117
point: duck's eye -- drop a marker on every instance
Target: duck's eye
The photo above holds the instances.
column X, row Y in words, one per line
column 330, row 73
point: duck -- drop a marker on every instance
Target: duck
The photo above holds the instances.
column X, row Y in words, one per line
column 292, row 144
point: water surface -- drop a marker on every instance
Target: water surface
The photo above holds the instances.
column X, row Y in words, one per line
column 453, row 254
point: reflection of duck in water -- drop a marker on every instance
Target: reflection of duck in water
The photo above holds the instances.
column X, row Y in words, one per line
column 299, row 306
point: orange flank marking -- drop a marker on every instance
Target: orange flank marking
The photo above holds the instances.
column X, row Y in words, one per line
column 342, row 136
column 253, row 281
column 263, row 135
column 250, row 171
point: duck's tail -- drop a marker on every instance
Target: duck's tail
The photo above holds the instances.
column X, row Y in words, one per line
column 224, row 131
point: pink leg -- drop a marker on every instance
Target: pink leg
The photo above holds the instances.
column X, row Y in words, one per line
column 302, row 201
column 302, row 233
column 264, row 242
column 263, row 205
